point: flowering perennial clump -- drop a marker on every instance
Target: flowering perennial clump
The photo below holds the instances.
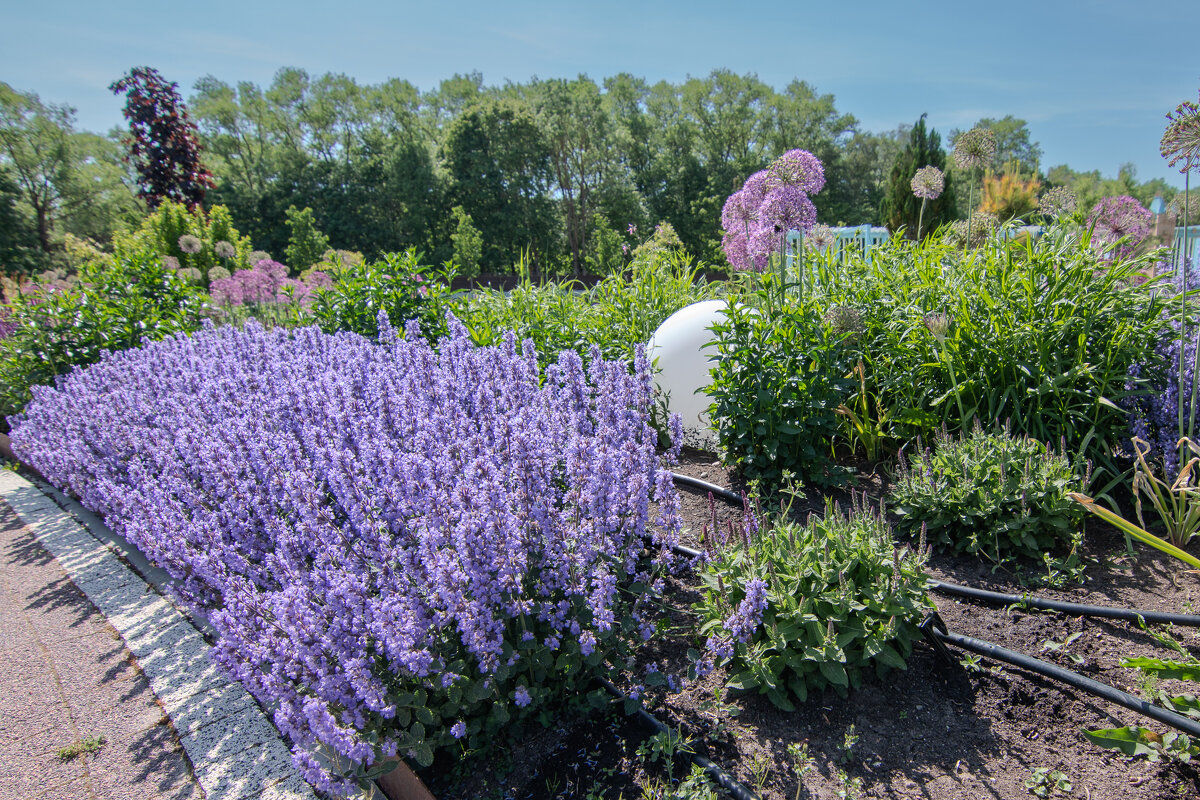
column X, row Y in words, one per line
column 268, row 282
column 398, row 545
column 770, row 203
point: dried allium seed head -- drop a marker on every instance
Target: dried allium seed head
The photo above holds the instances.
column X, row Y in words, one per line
column 975, row 148
column 928, row 183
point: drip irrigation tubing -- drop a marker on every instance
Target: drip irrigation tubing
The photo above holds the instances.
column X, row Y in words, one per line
column 1075, row 609
column 696, row 483
column 720, row 776
column 999, row 598
column 934, row 628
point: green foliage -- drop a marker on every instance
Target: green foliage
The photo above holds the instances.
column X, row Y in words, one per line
column 840, row 599
column 1038, row 332
column 777, row 385
column 1044, row 782
column 1177, row 503
column 117, row 305
column 900, row 207
column 306, row 244
column 468, row 244
column 160, row 233
column 399, row 285
column 616, row 315
column 991, row 494
column 90, row 744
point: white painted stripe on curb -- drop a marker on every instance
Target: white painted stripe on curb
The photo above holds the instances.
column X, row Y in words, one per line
column 235, row 751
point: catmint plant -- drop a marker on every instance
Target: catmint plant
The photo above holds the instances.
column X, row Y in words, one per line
column 402, row 548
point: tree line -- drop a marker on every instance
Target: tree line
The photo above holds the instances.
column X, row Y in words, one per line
column 565, row 174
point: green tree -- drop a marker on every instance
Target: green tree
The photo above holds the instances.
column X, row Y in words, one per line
column 468, row 243
column 500, row 174
column 306, row 244
column 35, row 142
column 901, row 208
column 19, row 249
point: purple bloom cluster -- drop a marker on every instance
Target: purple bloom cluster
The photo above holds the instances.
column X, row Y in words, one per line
column 748, row 616
column 1116, row 218
column 770, row 203
column 267, row 282
column 368, row 523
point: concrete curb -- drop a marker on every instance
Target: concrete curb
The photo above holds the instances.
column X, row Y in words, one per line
column 235, row 751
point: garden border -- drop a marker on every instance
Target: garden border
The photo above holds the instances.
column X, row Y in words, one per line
column 235, row 751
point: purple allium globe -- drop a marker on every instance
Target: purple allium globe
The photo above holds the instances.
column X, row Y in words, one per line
column 786, row 208
column 928, row 183
column 740, row 211
column 975, row 148
column 224, row 250
column 1117, row 218
column 797, row 168
column 190, row 244
column 1181, row 140
column 1058, row 202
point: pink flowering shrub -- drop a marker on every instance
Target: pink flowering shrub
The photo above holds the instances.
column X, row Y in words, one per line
column 399, row 546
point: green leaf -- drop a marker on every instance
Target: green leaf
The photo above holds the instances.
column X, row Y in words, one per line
column 1130, row 741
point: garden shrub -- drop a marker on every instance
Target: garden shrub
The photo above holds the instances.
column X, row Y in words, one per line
column 400, row 548
column 187, row 239
column 990, row 493
column 399, row 286
column 777, row 383
column 116, row 304
column 794, row 608
column 1040, row 332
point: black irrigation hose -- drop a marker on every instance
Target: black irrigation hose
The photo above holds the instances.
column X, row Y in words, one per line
column 934, row 627
column 696, row 483
column 723, row 778
column 1076, row 609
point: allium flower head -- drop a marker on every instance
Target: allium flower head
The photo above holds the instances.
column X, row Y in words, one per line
column 1116, row 218
column 821, row 236
column 191, row 274
column 217, row 273
column 740, row 211
column 975, row 148
column 844, row 320
column 787, row 208
column 975, row 232
column 797, row 168
column 224, row 249
column 755, row 187
column 1058, row 202
column 1181, row 140
column 170, row 262
column 257, row 256
column 189, row 244
column 939, row 325
column 928, row 183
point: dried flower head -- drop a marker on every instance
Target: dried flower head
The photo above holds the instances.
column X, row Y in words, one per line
column 189, row 244
column 1058, row 202
column 975, row 148
column 844, row 319
column 821, row 236
column 191, row 274
column 939, row 325
column 1190, row 200
column 975, row 232
column 224, row 250
column 1181, row 140
column 928, row 183
column 217, row 273
column 170, row 262
column 257, row 256
column 797, row 168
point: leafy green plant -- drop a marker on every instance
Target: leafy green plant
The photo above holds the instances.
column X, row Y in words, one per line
column 399, row 285
column 989, row 493
column 188, row 239
column 1177, row 504
column 795, row 608
column 1132, row 530
column 777, row 384
column 664, row 746
column 803, row 764
column 118, row 304
column 90, row 744
column 1045, row 782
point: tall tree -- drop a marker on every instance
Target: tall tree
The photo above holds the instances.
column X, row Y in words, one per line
column 36, row 145
column 163, row 145
column 901, row 207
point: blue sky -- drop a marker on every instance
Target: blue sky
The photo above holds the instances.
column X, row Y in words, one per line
column 1093, row 79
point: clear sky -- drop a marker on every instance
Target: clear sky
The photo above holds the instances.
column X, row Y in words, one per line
column 1093, row 79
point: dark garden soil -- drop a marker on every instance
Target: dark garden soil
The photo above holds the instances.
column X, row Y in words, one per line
column 933, row 731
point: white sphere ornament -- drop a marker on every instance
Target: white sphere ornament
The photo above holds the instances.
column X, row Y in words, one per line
column 683, row 367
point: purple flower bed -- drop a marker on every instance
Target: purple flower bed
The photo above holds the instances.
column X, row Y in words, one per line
column 399, row 546
column 267, row 282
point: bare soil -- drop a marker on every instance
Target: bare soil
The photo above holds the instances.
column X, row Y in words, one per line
column 935, row 731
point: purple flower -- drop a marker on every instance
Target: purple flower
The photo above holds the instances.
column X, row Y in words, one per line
column 521, row 697
column 928, row 183
column 748, row 616
column 458, row 730
column 798, row 169
column 1117, row 218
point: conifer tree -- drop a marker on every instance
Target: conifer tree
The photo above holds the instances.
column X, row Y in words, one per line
column 901, row 207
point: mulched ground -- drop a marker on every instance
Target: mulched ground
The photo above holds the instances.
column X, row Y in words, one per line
column 934, row 731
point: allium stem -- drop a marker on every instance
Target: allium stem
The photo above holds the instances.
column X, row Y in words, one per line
column 921, row 218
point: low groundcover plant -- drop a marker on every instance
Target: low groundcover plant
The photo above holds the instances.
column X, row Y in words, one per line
column 400, row 546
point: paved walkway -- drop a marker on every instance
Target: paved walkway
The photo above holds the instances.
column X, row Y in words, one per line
column 88, row 649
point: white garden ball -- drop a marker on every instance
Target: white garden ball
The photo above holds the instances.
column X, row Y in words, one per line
column 684, row 363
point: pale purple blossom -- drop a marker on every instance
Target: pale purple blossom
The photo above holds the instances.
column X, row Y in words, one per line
column 928, row 183
column 190, row 244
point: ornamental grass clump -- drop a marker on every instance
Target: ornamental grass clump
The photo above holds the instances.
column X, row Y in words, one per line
column 791, row 608
column 993, row 494
column 401, row 548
